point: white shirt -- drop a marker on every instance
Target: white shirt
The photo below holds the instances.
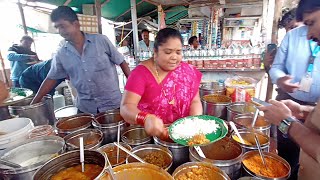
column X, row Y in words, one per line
column 143, row 46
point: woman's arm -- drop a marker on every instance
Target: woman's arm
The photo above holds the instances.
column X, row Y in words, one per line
column 196, row 106
column 128, row 109
column 129, row 106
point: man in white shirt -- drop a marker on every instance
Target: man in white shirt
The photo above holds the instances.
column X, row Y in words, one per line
column 145, row 44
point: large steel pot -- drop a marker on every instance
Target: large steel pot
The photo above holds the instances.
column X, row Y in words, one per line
column 285, row 165
column 239, row 108
column 70, row 159
column 145, row 150
column 215, row 105
column 211, row 88
column 135, row 136
column 141, row 171
column 111, row 151
column 92, row 139
column 250, row 143
column 31, row 155
column 212, row 171
column 40, row 113
column 225, row 154
column 244, row 121
column 65, row 111
column 108, row 122
column 180, row 153
column 74, row 123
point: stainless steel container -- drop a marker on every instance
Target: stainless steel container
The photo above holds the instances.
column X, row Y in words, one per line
column 74, row 123
column 250, row 143
column 40, row 113
column 215, row 173
column 111, row 151
column 239, row 108
column 135, row 136
column 143, row 150
column 218, row 109
column 267, row 155
column 180, row 153
column 92, row 139
column 31, row 155
column 66, row 111
column 211, row 88
column 108, row 123
column 140, row 171
column 70, row 159
column 226, row 154
column 244, row 121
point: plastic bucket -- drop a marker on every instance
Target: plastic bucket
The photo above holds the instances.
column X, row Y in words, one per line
column 16, row 131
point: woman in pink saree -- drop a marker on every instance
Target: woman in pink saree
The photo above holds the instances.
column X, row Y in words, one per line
column 162, row 89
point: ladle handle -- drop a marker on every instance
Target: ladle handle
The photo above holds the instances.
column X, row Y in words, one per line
column 260, row 151
column 130, row 153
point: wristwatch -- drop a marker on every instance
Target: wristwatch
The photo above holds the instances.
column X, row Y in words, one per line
column 285, row 124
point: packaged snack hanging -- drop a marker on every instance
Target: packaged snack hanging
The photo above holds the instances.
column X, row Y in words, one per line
column 240, row 89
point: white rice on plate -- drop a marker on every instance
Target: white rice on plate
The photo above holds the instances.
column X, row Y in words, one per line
column 193, row 126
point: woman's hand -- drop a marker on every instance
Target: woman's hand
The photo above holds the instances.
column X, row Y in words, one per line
column 154, row 126
column 276, row 112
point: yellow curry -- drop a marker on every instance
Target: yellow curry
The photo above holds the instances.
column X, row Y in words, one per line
column 90, row 173
column 273, row 169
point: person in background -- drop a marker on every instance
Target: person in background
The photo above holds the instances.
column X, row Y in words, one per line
column 162, row 89
column 20, row 56
column 4, row 93
column 193, row 42
column 286, row 113
column 295, row 79
column 34, row 75
column 89, row 60
column 288, row 22
column 145, row 44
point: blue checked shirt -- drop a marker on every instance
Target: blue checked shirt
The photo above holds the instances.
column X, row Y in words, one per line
column 93, row 73
column 292, row 58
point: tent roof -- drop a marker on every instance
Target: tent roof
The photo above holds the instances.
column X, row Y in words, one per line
column 119, row 10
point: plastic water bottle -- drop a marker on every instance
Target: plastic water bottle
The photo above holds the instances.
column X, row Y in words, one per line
column 58, row 100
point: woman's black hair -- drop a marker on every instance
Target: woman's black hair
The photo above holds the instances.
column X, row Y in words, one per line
column 190, row 41
column 307, row 6
column 165, row 34
column 65, row 13
column 287, row 18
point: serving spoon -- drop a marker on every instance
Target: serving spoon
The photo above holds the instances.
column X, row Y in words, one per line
column 9, row 164
column 260, row 151
column 255, row 117
column 129, row 152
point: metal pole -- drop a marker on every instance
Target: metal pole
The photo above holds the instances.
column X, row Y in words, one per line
column 98, row 12
column 274, row 39
column 22, row 18
column 134, row 26
column 159, row 16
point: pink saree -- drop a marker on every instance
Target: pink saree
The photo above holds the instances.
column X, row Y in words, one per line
column 169, row 100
